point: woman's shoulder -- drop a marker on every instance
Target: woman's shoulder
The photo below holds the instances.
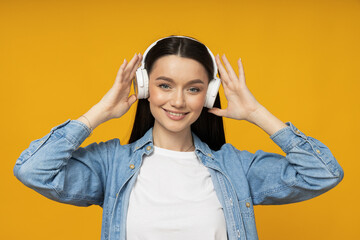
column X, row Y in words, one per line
column 229, row 148
column 229, row 153
column 111, row 149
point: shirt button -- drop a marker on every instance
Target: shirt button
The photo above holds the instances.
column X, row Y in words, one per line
column 317, row 150
column 132, row 166
column 247, row 204
column 297, row 131
column 209, row 154
column 148, row 148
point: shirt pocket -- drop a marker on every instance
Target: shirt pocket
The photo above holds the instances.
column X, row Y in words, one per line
column 246, row 208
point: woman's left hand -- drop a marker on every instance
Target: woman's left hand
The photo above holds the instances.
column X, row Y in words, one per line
column 241, row 103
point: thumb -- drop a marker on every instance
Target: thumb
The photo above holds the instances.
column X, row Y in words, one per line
column 218, row 111
column 132, row 99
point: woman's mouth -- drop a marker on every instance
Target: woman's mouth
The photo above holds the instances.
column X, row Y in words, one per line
column 175, row 115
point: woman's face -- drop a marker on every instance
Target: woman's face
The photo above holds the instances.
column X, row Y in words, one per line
column 177, row 90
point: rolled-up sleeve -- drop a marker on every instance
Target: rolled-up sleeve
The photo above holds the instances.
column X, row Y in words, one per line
column 56, row 167
column 308, row 169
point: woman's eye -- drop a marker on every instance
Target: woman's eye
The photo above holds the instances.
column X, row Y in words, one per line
column 165, row 86
column 194, row 89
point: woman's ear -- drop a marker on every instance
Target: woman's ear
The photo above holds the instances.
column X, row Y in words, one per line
column 148, row 90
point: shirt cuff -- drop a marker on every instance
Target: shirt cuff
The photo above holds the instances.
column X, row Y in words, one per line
column 74, row 131
column 288, row 137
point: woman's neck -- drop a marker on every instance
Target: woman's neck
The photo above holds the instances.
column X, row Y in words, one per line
column 176, row 141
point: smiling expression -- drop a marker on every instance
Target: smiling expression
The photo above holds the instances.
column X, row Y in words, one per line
column 177, row 90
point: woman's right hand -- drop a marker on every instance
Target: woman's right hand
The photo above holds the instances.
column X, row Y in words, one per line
column 116, row 102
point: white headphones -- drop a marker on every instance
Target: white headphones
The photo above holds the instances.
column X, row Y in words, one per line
column 141, row 82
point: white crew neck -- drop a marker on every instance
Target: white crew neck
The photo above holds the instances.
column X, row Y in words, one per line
column 173, row 153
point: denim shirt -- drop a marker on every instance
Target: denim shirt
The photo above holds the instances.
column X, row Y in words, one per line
column 104, row 174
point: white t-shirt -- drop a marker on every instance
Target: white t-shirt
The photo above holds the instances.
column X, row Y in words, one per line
column 174, row 198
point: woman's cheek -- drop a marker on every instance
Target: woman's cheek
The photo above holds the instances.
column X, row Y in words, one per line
column 198, row 101
column 156, row 96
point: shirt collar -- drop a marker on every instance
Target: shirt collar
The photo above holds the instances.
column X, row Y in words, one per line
column 147, row 140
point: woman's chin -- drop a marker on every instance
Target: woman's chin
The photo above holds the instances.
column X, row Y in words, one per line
column 175, row 127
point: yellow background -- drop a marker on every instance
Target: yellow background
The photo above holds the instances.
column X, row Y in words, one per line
column 301, row 61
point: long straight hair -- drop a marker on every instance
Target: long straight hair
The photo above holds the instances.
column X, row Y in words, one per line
column 208, row 127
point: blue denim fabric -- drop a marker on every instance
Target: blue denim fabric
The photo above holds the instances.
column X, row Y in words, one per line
column 104, row 174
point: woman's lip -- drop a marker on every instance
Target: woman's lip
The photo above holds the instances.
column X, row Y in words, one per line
column 176, row 111
column 174, row 117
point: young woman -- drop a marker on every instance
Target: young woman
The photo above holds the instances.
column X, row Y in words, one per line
column 177, row 179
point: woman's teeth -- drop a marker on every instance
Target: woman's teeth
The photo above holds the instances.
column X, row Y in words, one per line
column 176, row 114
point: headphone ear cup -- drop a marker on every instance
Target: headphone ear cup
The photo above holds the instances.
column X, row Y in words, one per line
column 141, row 83
column 212, row 92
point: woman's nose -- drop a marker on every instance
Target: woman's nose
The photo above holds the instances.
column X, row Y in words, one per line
column 178, row 99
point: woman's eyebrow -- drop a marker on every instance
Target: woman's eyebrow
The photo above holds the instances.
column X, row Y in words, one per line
column 171, row 80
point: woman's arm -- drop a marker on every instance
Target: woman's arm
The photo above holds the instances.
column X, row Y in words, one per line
column 58, row 168
column 308, row 169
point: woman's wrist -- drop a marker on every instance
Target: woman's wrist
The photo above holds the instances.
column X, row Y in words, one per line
column 94, row 117
column 266, row 121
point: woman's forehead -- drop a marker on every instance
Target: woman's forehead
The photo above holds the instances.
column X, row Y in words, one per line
column 174, row 66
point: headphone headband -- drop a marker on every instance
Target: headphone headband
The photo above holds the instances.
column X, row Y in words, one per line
column 179, row 36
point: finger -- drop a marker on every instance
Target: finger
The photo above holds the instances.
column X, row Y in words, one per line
column 136, row 66
column 223, row 74
column 241, row 71
column 218, row 111
column 130, row 66
column 120, row 71
column 229, row 69
column 132, row 63
column 132, row 99
column 135, row 60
